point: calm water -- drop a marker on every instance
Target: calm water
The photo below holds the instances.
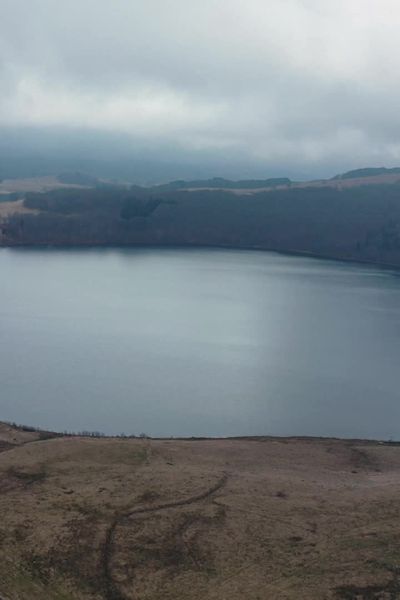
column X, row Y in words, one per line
column 198, row 342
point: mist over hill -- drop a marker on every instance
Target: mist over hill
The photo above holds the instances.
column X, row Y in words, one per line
column 367, row 172
column 41, row 151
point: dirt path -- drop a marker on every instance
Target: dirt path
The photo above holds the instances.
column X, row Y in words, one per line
column 111, row 591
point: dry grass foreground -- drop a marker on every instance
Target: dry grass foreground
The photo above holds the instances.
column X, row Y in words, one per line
column 116, row 519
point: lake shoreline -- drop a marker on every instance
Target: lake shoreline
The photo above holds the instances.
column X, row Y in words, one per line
column 294, row 253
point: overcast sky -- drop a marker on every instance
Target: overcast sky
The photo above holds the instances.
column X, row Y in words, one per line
column 293, row 85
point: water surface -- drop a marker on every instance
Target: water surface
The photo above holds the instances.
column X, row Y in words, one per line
column 205, row 342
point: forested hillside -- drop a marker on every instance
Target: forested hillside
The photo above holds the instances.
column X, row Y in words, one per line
column 361, row 223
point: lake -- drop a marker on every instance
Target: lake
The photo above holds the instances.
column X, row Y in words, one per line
column 202, row 342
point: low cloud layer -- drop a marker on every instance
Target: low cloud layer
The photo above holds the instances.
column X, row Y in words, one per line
column 290, row 84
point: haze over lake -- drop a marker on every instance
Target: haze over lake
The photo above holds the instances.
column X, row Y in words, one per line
column 203, row 342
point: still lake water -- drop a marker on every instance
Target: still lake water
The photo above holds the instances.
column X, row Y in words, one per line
column 206, row 342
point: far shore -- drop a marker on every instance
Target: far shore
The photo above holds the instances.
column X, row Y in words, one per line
column 292, row 252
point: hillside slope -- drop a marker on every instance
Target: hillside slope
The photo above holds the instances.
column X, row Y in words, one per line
column 354, row 219
column 120, row 519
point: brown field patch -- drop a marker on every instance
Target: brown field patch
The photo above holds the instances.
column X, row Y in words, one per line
column 16, row 207
column 33, row 184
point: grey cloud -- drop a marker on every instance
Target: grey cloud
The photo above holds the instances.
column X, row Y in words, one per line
column 280, row 84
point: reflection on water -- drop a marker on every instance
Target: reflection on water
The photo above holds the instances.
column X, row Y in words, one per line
column 198, row 342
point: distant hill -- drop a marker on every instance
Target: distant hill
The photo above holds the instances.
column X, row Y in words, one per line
column 357, row 177
column 367, row 172
column 221, row 183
